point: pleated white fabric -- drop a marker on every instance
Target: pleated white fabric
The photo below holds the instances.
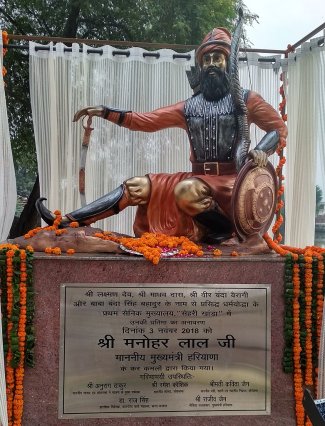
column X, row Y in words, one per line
column 8, row 197
column 305, row 147
column 63, row 82
column 8, row 193
column 263, row 78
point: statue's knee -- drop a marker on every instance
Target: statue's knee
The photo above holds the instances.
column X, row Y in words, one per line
column 138, row 189
column 182, row 189
column 193, row 196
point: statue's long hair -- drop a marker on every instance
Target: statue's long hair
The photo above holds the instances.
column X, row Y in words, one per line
column 236, row 91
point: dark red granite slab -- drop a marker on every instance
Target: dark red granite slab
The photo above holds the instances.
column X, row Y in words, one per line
column 42, row 382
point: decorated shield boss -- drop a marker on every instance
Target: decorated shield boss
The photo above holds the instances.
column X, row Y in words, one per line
column 254, row 199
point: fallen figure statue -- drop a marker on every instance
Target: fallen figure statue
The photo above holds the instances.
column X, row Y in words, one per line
column 80, row 240
column 75, row 239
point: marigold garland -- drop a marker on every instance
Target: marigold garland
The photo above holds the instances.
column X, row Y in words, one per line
column 304, row 289
column 152, row 246
column 57, row 230
column 5, row 41
column 17, row 312
column 308, row 318
column 282, row 160
column 319, row 306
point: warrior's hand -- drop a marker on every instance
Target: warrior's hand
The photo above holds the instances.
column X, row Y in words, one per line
column 259, row 157
column 92, row 111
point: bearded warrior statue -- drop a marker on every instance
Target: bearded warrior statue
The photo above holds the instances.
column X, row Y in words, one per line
column 199, row 204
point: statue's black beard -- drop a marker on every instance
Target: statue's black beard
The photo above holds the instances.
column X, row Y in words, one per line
column 216, row 85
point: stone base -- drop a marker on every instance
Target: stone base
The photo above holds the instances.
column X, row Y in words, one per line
column 42, row 382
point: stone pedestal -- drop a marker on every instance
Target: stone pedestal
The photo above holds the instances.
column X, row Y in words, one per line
column 42, row 382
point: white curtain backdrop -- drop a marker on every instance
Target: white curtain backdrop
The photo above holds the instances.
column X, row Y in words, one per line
column 63, row 82
column 305, row 148
column 8, row 198
column 264, row 78
column 8, row 193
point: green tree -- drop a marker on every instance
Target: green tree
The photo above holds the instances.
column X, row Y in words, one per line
column 319, row 199
column 161, row 21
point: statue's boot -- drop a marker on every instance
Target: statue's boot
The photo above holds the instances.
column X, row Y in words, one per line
column 101, row 208
column 219, row 227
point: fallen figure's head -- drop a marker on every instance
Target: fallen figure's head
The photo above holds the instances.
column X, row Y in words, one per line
column 81, row 240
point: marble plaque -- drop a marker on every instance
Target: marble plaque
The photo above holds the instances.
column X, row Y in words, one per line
column 164, row 350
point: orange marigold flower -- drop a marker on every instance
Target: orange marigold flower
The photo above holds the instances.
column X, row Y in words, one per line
column 23, row 276
column 217, row 252
column 71, row 251
column 10, row 253
column 5, row 37
column 234, row 253
column 99, row 235
column 57, row 222
column 74, row 225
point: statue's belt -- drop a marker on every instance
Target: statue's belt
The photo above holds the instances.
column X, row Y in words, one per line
column 214, row 168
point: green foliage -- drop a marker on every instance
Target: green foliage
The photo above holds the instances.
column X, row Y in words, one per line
column 162, row 21
column 20, row 120
column 186, row 22
column 319, row 199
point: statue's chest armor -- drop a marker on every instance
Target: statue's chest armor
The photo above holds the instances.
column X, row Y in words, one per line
column 212, row 128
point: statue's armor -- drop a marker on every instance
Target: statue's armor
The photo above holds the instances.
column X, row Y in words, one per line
column 212, row 127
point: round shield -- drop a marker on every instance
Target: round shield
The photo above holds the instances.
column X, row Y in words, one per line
column 254, row 199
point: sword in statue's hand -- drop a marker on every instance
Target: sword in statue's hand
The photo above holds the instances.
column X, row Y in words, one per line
column 86, row 114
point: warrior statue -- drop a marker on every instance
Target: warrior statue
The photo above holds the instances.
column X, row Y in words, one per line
column 195, row 204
